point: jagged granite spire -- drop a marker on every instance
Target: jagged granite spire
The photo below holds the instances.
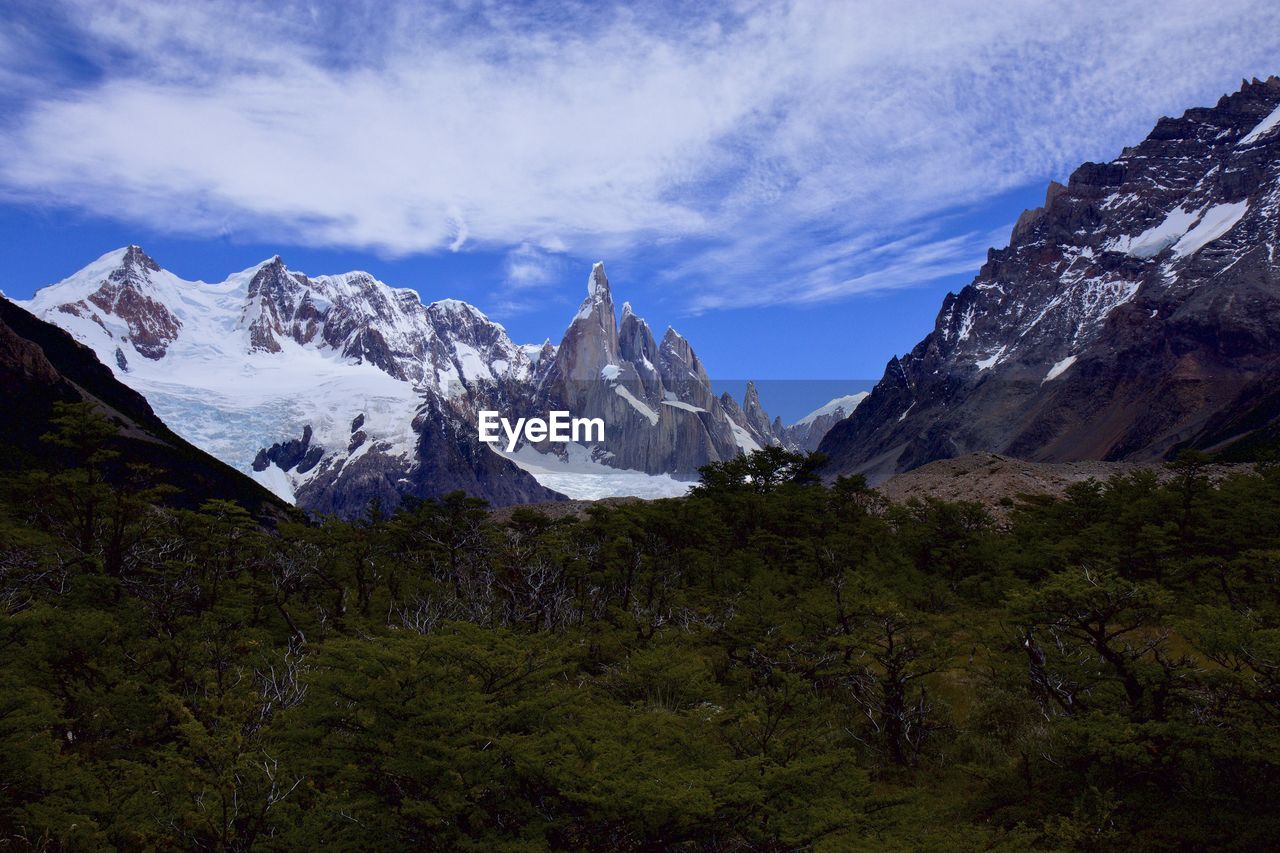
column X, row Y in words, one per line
column 757, row 417
column 591, row 342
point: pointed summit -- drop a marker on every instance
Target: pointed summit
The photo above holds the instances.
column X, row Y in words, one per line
column 591, row 341
column 598, row 283
column 273, row 297
column 637, row 345
column 757, row 417
column 678, row 364
column 134, row 257
column 119, row 288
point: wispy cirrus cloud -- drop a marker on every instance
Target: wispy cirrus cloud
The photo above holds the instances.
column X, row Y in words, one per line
column 794, row 151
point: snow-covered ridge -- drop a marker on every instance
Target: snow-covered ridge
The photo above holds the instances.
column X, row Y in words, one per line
column 255, row 357
column 847, row 404
column 1264, row 128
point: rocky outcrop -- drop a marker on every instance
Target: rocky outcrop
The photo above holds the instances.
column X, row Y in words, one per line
column 448, row 458
column 295, row 454
column 1138, row 313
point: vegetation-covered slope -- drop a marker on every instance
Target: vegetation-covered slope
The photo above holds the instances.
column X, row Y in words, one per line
column 769, row 664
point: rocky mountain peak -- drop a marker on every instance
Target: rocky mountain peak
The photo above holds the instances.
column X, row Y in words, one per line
column 591, row 341
column 128, row 293
column 635, row 340
column 678, row 364
column 274, row 297
column 1029, row 216
column 135, row 257
column 756, row 417
column 1123, row 317
column 598, row 283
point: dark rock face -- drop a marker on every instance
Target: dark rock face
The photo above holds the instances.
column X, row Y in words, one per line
column 1136, row 313
column 295, row 454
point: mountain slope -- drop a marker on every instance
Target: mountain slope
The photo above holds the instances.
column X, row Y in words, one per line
column 1137, row 312
column 41, row 365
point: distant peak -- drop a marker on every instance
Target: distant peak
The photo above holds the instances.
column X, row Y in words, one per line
column 626, row 310
column 457, row 307
column 275, row 263
column 133, row 255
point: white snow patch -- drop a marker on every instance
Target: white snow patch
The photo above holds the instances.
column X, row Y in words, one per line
column 1058, row 369
column 275, row 481
column 533, row 352
column 1215, row 222
column 848, row 404
column 636, row 404
column 471, row 362
column 992, row 361
column 680, row 404
column 902, row 417
column 1156, row 239
column 966, row 324
column 610, row 371
column 743, row 438
column 1264, row 127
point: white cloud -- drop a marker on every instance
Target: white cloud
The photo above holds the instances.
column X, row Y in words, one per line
column 790, row 144
column 527, row 269
column 528, row 266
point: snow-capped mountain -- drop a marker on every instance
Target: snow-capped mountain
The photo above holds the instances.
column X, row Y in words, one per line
column 334, row 390
column 807, row 433
column 754, row 430
column 1136, row 312
column 363, row 376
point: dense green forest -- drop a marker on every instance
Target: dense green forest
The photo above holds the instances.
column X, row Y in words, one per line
column 768, row 664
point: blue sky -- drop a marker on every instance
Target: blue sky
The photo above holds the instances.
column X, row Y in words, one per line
column 793, row 185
